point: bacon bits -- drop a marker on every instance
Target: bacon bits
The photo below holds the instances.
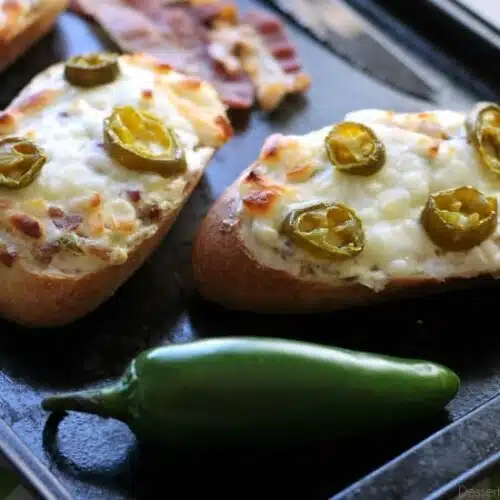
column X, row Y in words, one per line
column 8, row 254
column 26, row 225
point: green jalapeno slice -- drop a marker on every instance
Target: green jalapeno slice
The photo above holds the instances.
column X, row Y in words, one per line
column 92, row 69
column 483, row 131
column 459, row 219
column 326, row 230
column 70, row 241
column 138, row 140
column 20, row 162
column 354, row 148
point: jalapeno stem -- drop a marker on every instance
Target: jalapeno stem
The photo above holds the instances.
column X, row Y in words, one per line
column 109, row 402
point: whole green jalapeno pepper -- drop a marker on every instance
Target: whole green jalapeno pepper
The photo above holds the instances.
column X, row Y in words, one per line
column 242, row 389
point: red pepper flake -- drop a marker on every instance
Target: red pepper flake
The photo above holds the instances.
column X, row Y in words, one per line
column 26, row 225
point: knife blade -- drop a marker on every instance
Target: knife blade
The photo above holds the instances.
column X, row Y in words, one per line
column 341, row 29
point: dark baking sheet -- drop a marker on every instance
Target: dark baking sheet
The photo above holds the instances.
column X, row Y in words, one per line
column 445, row 33
column 95, row 458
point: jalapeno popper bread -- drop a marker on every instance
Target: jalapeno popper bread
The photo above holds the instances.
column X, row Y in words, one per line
column 378, row 205
column 97, row 157
column 24, row 22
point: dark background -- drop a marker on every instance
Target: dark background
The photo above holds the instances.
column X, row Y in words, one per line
column 97, row 458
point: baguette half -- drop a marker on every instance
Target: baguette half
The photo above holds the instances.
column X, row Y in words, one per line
column 71, row 237
column 23, row 23
column 243, row 260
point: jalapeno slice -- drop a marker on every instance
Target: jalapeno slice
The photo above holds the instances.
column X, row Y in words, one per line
column 459, row 219
column 20, row 162
column 70, row 241
column 483, row 131
column 354, row 148
column 140, row 141
column 91, row 70
column 326, row 230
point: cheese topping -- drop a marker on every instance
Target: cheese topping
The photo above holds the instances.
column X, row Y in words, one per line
column 12, row 12
column 81, row 191
column 425, row 153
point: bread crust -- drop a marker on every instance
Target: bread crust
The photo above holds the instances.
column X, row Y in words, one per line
column 37, row 300
column 226, row 273
column 15, row 41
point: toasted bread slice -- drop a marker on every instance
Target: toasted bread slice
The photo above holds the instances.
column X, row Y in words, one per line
column 23, row 23
column 88, row 219
column 243, row 259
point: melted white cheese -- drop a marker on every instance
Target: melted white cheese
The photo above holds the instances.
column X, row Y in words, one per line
column 389, row 202
column 26, row 8
column 70, row 131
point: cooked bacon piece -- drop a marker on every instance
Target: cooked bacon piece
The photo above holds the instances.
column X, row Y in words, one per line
column 150, row 213
column 212, row 12
column 242, row 57
column 45, row 253
column 270, row 59
column 26, row 225
column 186, row 43
column 134, row 195
column 8, row 254
column 128, row 27
column 100, row 252
column 176, row 35
column 56, row 212
column 64, row 222
column 68, row 222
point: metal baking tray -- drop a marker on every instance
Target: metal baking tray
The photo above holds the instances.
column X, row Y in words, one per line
column 86, row 457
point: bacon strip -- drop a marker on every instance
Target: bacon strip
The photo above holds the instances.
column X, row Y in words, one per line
column 176, row 34
column 271, row 59
column 8, row 254
column 243, row 57
column 186, row 47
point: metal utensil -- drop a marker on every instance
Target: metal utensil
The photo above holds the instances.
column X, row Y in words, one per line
column 346, row 33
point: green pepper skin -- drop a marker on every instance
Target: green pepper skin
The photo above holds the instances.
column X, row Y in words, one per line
column 245, row 389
